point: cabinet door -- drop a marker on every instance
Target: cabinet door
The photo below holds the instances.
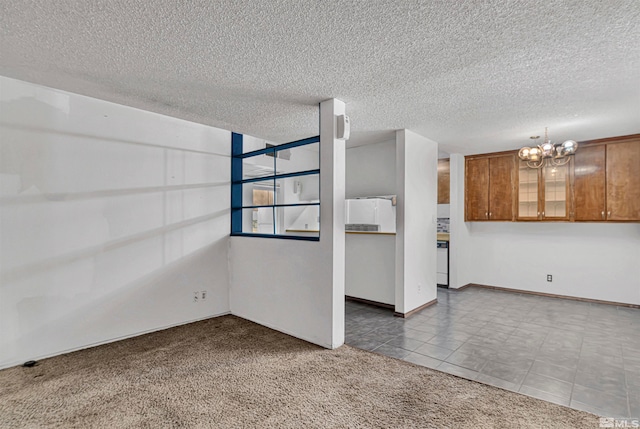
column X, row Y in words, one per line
column 444, row 179
column 623, row 181
column 528, row 199
column 589, row 183
column 477, row 189
column 555, row 192
column 501, row 171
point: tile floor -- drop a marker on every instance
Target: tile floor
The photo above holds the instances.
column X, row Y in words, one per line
column 577, row 354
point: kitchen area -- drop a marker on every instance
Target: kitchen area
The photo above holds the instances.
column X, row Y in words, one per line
column 444, row 176
column 370, row 225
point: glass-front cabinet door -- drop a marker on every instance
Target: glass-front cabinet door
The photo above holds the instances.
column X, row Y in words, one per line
column 528, row 184
column 555, row 192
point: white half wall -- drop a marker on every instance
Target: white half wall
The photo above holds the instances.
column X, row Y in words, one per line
column 416, row 211
column 371, row 267
column 297, row 287
column 111, row 219
column 586, row 260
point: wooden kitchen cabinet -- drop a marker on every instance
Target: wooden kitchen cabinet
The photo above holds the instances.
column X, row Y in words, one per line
column 444, row 180
column 489, row 187
column 501, row 174
column 476, row 185
column 607, row 181
column 623, row 181
column 600, row 183
column 589, row 186
column 543, row 193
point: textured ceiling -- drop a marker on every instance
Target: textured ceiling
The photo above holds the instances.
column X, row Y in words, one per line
column 475, row 75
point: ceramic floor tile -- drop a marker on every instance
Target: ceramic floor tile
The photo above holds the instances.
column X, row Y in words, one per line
column 617, row 405
column 464, row 360
column 434, row 351
column 554, row 371
column 545, row 396
column 418, row 335
column 446, row 342
column 497, row 382
column 512, row 374
column 552, row 386
column 536, row 345
column 605, row 379
column 422, row 360
column 458, row 370
column 595, row 410
column 405, row 343
column 391, row 351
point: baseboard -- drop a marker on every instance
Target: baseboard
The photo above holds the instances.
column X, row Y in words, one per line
column 367, row 301
column 415, row 310
column 550, row 295
column 113, row 340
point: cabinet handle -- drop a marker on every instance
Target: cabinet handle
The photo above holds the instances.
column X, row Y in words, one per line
column 486, row 214
column 609, row 213
column 489, row 215
column 542, row 214
column 602, row 214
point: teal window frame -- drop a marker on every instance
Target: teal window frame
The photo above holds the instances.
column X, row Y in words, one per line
column 237, row 183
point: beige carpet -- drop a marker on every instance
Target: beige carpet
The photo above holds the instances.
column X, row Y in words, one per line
column 231, row 373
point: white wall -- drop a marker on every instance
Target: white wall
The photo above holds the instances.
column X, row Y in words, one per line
column 587, row 260
column 371, row 170
column 110, row 218
column 444, row 210
column 417, row 190
column 297, row 287
column 370, row 267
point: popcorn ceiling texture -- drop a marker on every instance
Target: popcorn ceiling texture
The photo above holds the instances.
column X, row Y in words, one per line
column 472, row 75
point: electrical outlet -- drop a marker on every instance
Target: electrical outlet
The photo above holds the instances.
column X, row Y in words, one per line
column 549, row 278
column 419, row 287
column 196, row 297
column 203, row 294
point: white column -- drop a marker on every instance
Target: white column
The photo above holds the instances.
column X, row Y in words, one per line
column 459, row 234
column 332, row 195
column 417, row 195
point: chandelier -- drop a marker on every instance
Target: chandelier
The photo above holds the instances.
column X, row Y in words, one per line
column 548, row 153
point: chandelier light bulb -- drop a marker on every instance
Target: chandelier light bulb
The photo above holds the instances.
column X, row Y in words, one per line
column 547, row 149
column 523, row 154
column 569, row 147
column 535, row 153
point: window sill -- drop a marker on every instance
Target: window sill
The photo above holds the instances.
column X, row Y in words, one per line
column 282, row 237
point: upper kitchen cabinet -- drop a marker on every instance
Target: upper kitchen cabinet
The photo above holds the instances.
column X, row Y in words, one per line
column 444, row 179
column 489, row 187
column 607, row 180
column 600, row 183
column 623, row 181
column 589, row 187
column 543, row 193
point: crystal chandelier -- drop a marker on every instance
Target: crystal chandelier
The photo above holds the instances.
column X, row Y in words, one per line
column 548, row 153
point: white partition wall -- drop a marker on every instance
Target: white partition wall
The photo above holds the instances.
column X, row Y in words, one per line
column 297, row 287
column 417, row 189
